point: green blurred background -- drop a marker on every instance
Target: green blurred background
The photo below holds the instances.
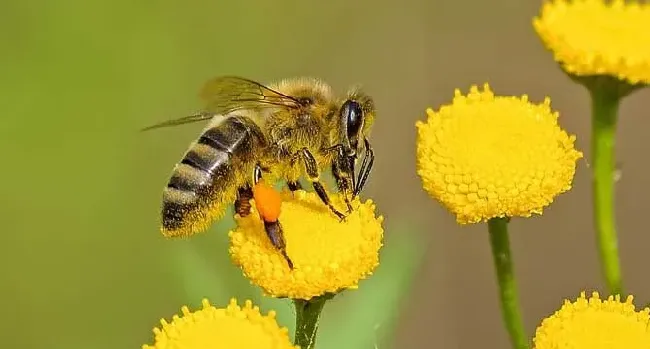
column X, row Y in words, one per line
column 82, row 262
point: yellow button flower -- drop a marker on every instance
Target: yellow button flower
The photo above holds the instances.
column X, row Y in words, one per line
column 592, row 323
column 487, row 156
column 233, row 327
column 597, row 37
column 328, row 255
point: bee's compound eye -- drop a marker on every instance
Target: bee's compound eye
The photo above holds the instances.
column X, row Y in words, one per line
column 353, row 114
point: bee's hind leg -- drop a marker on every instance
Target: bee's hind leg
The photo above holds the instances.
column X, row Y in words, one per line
column 272, row 225
column 242, row 202
column 245, row 193
column 276, row 235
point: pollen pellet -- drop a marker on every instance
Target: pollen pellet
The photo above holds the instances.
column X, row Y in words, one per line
column 267, row 202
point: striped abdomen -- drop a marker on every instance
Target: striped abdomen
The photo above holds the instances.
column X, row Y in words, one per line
column 205, row 182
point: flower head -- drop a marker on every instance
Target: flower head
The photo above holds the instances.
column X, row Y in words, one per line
column 328, row 255
column 233, row 327
column 592, row 323
column 486, row 156
column 597, row 37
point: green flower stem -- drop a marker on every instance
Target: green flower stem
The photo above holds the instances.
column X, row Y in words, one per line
column 498, row 229
column 604, row 116
column 307, row 318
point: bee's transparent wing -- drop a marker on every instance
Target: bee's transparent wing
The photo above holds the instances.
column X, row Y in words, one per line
column 226, row 94
column 181, row 121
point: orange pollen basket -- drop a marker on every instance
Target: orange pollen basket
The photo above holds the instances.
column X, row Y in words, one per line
column 267, row 202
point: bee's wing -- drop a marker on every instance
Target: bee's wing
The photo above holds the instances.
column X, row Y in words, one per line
column 226, row 94
column 181, row 121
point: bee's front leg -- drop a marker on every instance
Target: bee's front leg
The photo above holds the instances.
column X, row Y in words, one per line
column 343, row 181
column 366, row 167
column 313, row 174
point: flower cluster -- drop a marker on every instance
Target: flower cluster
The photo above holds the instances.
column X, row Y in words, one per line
column 596, row 324
column 596, row 37
column 486, row 156
column 233, row 327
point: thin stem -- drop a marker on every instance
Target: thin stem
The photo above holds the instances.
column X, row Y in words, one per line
column 307, row 317
column 498, row 229
column 604, row 116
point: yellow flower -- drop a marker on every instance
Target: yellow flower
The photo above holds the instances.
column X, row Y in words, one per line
column 595, row 37
column 487, row 156
column 592, row 323
column 233, row 327
column 328, row 255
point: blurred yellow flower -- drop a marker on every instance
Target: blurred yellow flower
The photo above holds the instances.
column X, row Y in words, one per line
column 597, row 37
column 592, row 323
column 487, row 156
column 233, row 327
column 328, row 255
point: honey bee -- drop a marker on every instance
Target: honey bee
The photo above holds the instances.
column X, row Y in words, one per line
column 295, row 128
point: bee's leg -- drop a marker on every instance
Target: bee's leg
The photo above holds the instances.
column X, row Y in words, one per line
column 343, row 180
column 257, row 173
column 245, row 194
column 276, row 235
column 366, row 167
column 242, row 202
column 293, row 182
column 294, row 185
column 343, row 172
column 273, row 228
column 311, row 167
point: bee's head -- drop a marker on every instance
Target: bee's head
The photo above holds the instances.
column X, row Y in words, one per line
column 356, row 117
